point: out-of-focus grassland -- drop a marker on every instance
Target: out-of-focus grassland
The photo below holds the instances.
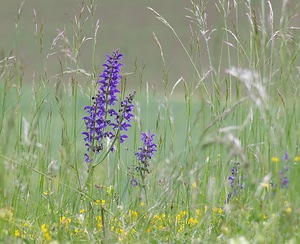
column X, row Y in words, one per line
column 127, row 25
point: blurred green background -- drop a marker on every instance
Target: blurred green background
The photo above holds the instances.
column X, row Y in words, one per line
column 124, row 25
column 127, row 25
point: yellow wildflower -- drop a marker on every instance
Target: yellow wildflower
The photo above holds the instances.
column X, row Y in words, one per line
column 297, row 159
column 44, row 228
column 122, row 232
column 133, row 214
column 275, row 159
column 181, row 215
column 156, row 217
column 288, row 210
column 46, row 232
column 192, row 222
column 64, row 220
column 17, row 233
column 217, row 210
column 81, row 211
column 181, row 228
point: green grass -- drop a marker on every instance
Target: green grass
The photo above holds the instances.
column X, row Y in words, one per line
column 235, row 112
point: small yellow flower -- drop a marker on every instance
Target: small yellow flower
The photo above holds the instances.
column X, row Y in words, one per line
column 76, row 231
column 46, row 232
column 156, row 217
column 297, row 159
column 17, row 233
column 97, row 202
column 44, row 228
column 133, row 214
column 47, row 236
column 64, row 220
column 288, row 210
column 192, row 222
column 81, row 211
column 181, row 215
column 122, row 232
column 217, row 210
column 181, row 228
column 275, row 159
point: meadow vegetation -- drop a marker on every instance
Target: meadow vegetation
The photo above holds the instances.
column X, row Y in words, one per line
column 208, row 158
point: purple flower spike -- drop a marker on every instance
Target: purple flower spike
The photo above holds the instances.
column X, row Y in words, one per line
column 235, row 181
column 146, row 152
column 103, row 120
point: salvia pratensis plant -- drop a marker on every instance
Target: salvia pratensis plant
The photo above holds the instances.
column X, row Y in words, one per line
column 235, row 180
column 144, row 155
column 108, row 118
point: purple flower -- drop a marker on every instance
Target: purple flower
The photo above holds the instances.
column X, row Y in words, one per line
column 284, row 181
column 134, row 182
column 235, row 181
column 146, row 152
column 103, row 120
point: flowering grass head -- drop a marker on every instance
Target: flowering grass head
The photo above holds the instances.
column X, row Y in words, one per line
column 104, row 120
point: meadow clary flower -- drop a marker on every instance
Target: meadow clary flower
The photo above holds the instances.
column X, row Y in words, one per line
column 235, row 181
column 104, row 121
column 147, row 151
column 284, row 181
